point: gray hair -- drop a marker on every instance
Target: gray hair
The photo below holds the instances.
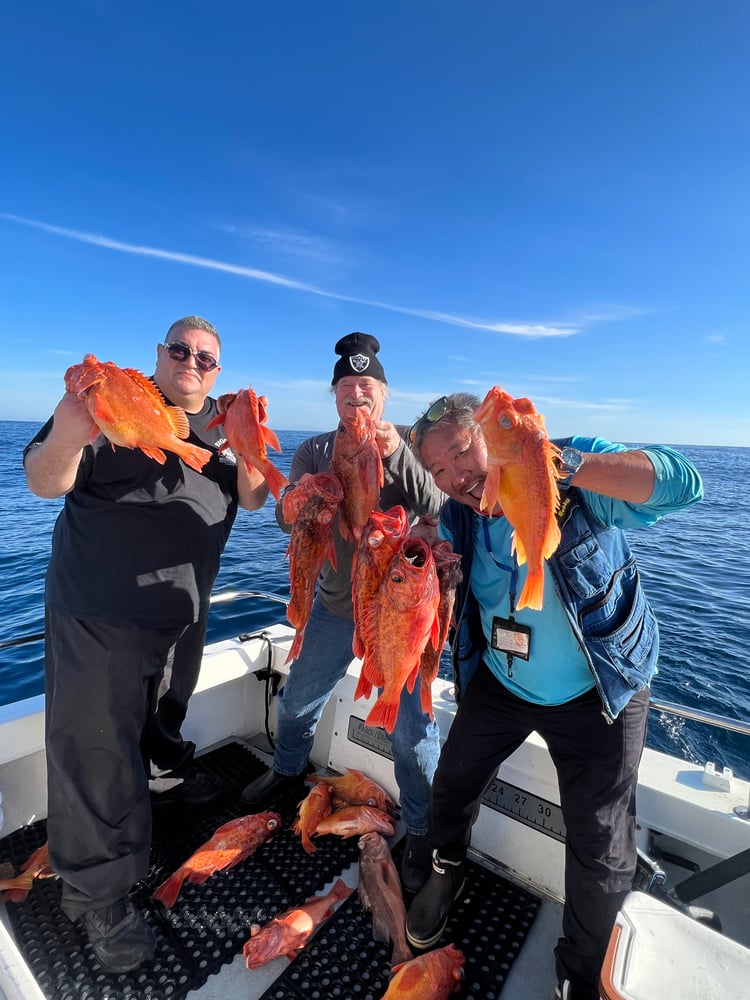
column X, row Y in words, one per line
column 456, row 410
column 193, row 323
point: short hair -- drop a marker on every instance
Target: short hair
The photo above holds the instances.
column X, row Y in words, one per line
column 193, row 323
column 456, row 410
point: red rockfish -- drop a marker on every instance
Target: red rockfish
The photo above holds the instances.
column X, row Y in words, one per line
column 355, row 788
column 230, row 844
column 244, row 418
column 310, row 508
column 380, row 893
column 356, row 820
column 129, row 411
column 357, row 463
column 521, row 483
column 432, row 976
column 312, row 809
column 288, row 933
column 16, row 888
column 448, row 566
column 380, row 540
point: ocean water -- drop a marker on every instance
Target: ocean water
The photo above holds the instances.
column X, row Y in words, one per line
column 695, row 567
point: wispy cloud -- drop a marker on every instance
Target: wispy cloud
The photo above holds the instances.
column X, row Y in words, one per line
column 531, row 330
column 288, row 242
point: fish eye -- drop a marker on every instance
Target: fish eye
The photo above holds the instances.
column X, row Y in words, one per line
column 397, row 577
column 506, row 422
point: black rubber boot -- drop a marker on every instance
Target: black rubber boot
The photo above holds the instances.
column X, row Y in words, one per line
column 119, row 935
column 428, row 913
column 416, row 863
column 268, row 783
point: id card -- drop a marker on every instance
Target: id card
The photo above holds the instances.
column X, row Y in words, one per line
column 511, row 637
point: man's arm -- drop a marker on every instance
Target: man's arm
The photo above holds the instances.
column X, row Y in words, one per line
column 51, row 466
column 251, row 487
column 622, row 475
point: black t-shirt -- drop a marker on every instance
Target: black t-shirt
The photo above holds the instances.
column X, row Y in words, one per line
column 140, row 542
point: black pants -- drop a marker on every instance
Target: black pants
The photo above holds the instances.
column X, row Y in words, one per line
column 597, row 769
column 102, row 684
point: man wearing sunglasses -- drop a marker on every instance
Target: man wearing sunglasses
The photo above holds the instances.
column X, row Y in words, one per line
column 576, row 672
column 135, row 553
column 358, row 381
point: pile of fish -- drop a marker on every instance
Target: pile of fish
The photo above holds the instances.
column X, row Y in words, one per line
column 130, row 411
column 521, row 483
column 347, row 806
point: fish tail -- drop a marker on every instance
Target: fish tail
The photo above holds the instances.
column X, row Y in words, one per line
column 532, row 595
column 308, row 844
column 384, row 714
column 276, row 480
column 168, row 891
column 340, row 890
column 401, row 953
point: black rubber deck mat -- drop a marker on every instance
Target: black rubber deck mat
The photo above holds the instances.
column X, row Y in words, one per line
column 488, row 923
column 208, row 924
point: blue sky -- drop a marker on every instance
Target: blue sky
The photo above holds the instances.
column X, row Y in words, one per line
column 552, row 197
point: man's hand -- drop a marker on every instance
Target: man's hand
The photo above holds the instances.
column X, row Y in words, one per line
column 387, row 438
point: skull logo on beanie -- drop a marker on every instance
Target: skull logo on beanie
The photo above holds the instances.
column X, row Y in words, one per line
column 358, row 352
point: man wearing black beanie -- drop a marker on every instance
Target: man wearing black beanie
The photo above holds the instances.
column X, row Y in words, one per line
column 358, row 380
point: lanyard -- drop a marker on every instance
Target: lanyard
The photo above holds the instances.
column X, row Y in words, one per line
column 512, row 585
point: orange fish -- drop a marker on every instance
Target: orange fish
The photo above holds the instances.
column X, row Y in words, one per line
column 432, row 976
column 230, row 844
column 355, row 788
column 522, row 483
column 405, row 611
column 312, row 809
column 380, row 540
column 352, row 821
column 380, row 893
column 16, row 888
column 448, row 566
column 357, row 463
column 244, row 419
column 129, row 411
column 310, row 508
column 288, row 933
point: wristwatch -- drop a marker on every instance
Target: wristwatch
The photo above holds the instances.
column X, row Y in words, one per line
column 571, row 460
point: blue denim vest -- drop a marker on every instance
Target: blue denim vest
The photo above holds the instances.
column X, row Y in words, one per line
column 598, row 583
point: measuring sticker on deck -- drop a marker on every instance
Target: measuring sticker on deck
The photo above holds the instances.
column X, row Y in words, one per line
column 527, row 808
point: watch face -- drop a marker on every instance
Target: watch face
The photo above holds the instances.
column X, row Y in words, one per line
column 571, row 459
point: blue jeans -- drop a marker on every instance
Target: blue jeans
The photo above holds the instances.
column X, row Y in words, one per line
column 326, row 653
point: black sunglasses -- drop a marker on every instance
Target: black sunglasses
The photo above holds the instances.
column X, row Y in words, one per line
column 181, row 352
column 438, row 409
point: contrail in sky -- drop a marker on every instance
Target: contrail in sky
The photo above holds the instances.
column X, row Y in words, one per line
column 515, row 329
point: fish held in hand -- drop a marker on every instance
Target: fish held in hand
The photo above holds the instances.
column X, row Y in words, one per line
column 310, row 508
column 448, row 566
column 355, row 788
column 130, row 411
column 230, row 844
column 381, row 538
column 522, row 483
column 405, row 611
column 352, row 821
column 244, row 415
column 288, row 933
column 380, row 893
column 432, row 976
column 15, row 888
column 313, row 808
column 357, row 463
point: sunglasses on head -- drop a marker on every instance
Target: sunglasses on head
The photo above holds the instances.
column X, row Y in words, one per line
column 178, row 351
column 438, row 409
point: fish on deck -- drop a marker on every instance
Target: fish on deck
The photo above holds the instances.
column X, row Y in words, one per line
column 244, row 415
column 352, row 821
column 521, row 482
column 288, row 933
column 15, row 888
column 130, row 411
column 355, row 788
column 380, row 893
column 432, row 976
column 230, row 844
column 312, row 809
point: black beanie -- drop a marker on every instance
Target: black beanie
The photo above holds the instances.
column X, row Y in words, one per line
column 358, row 352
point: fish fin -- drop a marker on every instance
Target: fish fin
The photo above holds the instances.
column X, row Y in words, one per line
column 178, row 421
column 425, row 698
column 491, row 491
column 402, row 953
column 276, row 480
column 152, row 452
column 217, row 421
column 552, row 539
column 270, row 438
column 364, row 687
column 296, row 647
column 384, row 714
column 518, row 548
column 168, row 891
column 532, row 595
column 193, row 456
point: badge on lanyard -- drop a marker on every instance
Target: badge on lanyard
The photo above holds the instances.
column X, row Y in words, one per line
column 511, row 637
